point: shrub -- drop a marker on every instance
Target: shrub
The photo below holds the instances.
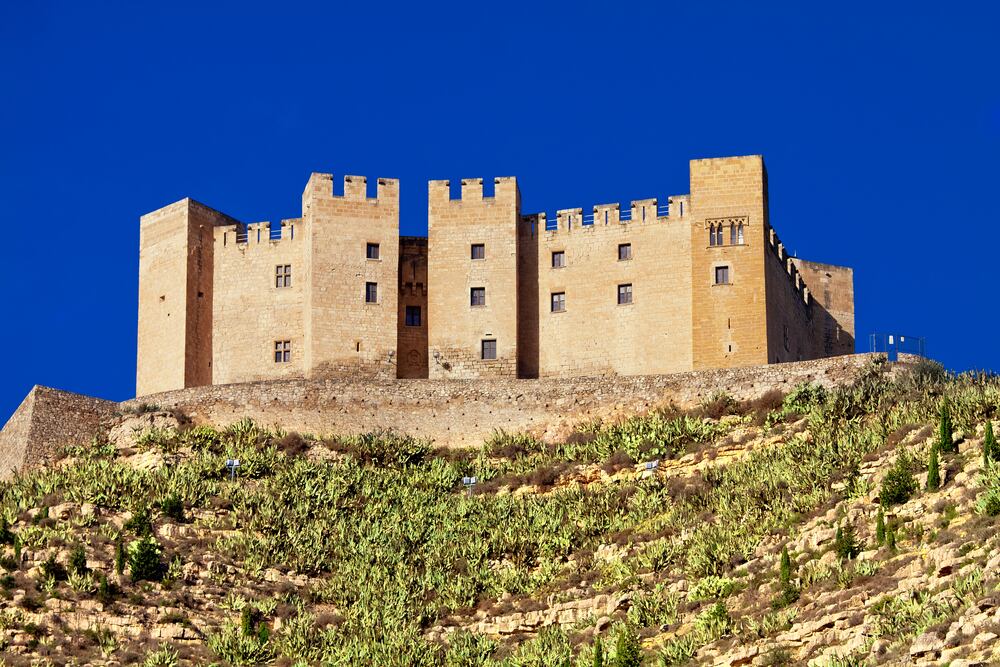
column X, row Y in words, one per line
column 121, row 557
column 173, row 507
column 628, row 652
column 140, row 523
column 292, row 444
column 163, row 656
column 898, row 485
column 238, row 648
column 78, row 560
column 598, row 659
column 144, row 560
column 933, row 471
column 7, row 536
column 989, row 500
column 846, row 544
column 53, row 569
column 990, row 451
column 788, row 594
column 945, row 430
column 880, row 527
column 785, row 572
column 711, row 588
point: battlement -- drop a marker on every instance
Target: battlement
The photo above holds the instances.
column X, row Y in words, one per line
column 504, row 189
column 787, row 263
column 320, row 186
column 243, row 235
column 641, row 211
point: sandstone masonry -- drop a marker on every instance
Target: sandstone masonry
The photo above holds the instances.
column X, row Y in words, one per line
column 700, row 282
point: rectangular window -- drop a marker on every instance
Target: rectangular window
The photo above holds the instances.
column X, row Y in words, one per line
column 371, row 292
column 624, row 294
column 722, row 275
column 413, row 316
column 282, row 351
column 478, row 251
column 372, row 251
column 283, row 275
column 558, row 259
column 478, row 296
column 489, row 349
column 624, row 251
column 558, row 302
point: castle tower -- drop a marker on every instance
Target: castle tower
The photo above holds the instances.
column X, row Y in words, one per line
column 351, row 276
column 473, row 274
column 174, row 347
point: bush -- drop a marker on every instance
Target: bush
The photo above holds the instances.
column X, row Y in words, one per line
column 78, row 560
column 172, row 507
column 628, row 652
column 51, row 568
column 785, row 572
column 880, row 527
column 898, row 485
column 846, row 544
column 121, row 557
column 140, row 522
column 933, row 471
column 7, row 536
column 712, row 588
column 990, row 451
column 144, row 560
column 945, row 430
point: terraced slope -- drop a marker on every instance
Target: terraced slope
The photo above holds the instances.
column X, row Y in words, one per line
column 369, row 550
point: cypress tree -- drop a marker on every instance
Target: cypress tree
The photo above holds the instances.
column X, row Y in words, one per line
column 933, row 472
column 990, row 452
column 786, row 566
column 627, row 651
column 880, row 527
column 598, row 653
column 945, row 439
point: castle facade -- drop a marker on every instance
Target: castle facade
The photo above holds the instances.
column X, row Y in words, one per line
column 700, row 282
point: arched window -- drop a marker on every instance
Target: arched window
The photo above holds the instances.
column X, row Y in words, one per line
column 711, row 235
column 718, row 234
column 732, row 233
column 739, row 234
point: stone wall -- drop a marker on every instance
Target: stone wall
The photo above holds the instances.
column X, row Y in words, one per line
column 411, row 339
column 46, row 421
column 832, row 289
column 466, row 412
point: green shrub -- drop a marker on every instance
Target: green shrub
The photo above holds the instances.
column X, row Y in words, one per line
column 711, row 588
column 989, row 499
column 162, row 656
column 788, row 594
column 945, row 429
column 933, row 471
column 467, row 648
column 121, row 557
column 845, row 544
column 173, row 507
column 78, row 560
column 898, row 485
column 990, row 451
column 236, row 647
column 628, row 652
column 53, row 569
column 598, row 649
column 7, row 536
column 785, row 570
column 144, row 560
column 140, row 523
column 880, row 527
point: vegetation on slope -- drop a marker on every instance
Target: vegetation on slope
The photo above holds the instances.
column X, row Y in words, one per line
column 369, row 549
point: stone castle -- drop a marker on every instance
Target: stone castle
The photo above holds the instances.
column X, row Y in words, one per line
column 702, row 282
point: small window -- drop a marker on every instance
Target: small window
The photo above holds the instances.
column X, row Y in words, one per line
column 722, row 275
column 624, row 294
column 739, row 234
column 718, row 234
column 624, row 251
column 558, row 259
column 489, row 349
column 478, row 251
column 283, row 275
column 371, row 292
column 372, row 252
column 413, row 316
column 282, row 351
column 558, row 302
column 478, row 296
column 732, row 233
column 711, row 235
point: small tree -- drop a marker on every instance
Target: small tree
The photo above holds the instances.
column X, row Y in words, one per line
column 144, row 560
column 933, row 472
column 78, row 560
column 990, row 453
column 898, row 485
column 946, row 434
column 627, row 649
column 786, row 566
column 880, row 527
column 598, row 653
column 120, row 557
column 846, row 543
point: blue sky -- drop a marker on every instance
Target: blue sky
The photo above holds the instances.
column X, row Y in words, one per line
column 879, row 123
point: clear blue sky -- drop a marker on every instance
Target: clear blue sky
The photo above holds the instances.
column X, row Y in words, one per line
column 879, row 122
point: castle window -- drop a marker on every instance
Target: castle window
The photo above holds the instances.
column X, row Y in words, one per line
column 372, row 252
column 489, row 349
column 371, row 292
column 558, row 259
column 477, row 296
column 558, row 302
column 739, row 234
column 625, row 294
column 732, row 233
column 478, row 251
column 413, row 316
column 722, row 275
column 282, row 351
column 283, row 275
column 711, row 235
column 718, row 234
column 624, row 251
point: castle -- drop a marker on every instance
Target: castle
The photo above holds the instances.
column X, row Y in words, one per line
column 702, row 282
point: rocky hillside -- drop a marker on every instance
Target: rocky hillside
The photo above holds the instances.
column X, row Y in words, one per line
column 851, row 526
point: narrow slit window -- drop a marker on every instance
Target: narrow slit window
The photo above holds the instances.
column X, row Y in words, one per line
column 558, row 302
column 711, row 235
column 732, row 233
column 739, row 234
column 477, row 296
column 718, row 234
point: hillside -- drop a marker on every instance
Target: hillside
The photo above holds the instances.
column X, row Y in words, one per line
column 783, row 529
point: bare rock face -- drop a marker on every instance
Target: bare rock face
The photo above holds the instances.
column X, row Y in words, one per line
column 125, row 434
